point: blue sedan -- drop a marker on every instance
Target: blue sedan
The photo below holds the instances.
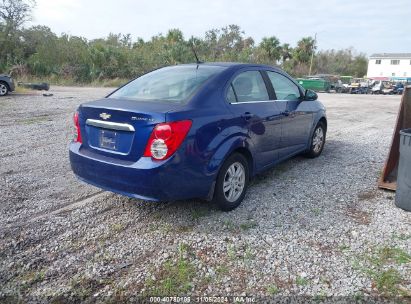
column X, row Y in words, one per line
column 195, row 131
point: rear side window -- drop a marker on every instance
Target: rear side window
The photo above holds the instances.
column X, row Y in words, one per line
column 284, row 88
column 248, row 86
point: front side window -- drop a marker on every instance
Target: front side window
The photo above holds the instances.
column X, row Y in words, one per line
column 284, row 88
column 170, row 84
column 248, row 86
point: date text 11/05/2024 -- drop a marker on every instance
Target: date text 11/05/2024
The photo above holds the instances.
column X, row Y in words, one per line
column 203, row 299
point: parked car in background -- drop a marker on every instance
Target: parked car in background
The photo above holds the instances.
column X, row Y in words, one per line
column 195, row 131
column 398, row 88
column 6, row 84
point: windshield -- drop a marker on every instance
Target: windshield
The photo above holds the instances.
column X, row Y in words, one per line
column 174, row 84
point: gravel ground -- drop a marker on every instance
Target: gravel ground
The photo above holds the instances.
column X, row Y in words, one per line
column 317, row 228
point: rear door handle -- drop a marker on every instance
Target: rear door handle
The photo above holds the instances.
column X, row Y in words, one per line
column 247, row 115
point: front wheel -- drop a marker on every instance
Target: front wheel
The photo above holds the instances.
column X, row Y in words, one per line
column 4, row 89
column 317, row 141
column 232, row 182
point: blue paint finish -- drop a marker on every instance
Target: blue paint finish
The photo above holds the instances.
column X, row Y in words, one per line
column 218, row 129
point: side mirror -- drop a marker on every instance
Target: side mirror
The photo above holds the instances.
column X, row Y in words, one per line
column 310, row 95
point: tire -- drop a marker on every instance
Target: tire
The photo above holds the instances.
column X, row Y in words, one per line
column 317, row 141
column 230, row 199
column 4, row 88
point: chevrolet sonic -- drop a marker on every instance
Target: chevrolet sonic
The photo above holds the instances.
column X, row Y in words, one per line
column 195, row 131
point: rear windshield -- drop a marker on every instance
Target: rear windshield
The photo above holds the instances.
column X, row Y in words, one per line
column 173, row 84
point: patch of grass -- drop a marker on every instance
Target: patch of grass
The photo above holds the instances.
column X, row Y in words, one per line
column 222, row 270
column 174, row 277
column 229, row 225
column 359, row 297
column 248, row 225
column 117, row 227
column 387, row 255
column 116, row 82
column 231, row 252
column 22, row 90
column 397, row 255
column 35, row 120
column 343, row 247
column 316, row 211
column 248, row 254
column 273, row 290
column 387, row 281
column 199, row 213
column 321, row 296
column 161, row 227
column 83, row 287
column 183, row 228
column 32, row 277
column 300, row 281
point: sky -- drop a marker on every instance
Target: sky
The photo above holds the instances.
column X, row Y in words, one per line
column 367, row 26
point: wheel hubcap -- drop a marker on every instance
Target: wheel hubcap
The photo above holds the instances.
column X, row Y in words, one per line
column 318, row 139
column 3, row 89
column 234, row 182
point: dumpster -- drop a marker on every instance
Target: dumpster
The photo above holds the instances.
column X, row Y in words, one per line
column 403, row 195
column 318, row 85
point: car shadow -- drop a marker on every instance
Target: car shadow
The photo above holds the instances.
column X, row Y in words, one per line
column 299, row 193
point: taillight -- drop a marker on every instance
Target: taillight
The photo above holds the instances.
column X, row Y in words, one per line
column 166, row 138
column 77, row 132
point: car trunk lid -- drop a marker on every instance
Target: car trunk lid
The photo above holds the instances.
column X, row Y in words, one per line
column 120, row 128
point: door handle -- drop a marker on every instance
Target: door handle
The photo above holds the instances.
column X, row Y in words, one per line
column 247, row 115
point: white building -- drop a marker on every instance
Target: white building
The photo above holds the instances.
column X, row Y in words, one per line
column 394, row 66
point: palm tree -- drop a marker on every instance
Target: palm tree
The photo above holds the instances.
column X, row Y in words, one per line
column 271, row 47
column 286, row 52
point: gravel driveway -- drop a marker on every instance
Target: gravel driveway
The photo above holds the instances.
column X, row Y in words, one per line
column 309, row 227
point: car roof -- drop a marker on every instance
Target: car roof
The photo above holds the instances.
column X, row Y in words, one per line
column 234, row 65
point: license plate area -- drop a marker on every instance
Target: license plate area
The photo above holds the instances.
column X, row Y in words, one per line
column 108, row 140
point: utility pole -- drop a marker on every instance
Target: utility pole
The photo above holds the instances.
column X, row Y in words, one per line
column 312, row 54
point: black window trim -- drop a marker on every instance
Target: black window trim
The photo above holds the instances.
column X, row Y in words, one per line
column 235, row 93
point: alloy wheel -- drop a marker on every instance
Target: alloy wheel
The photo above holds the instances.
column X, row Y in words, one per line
column 234, row 182
column 3, row 89
column 318, row 139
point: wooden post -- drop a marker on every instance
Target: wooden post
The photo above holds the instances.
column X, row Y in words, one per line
column 388, row 179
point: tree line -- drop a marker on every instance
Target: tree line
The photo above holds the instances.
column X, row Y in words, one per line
column 37, row 51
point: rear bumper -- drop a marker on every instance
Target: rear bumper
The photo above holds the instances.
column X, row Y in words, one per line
column 145, row 179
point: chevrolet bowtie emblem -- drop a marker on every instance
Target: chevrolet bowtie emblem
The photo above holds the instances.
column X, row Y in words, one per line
column 105, row 116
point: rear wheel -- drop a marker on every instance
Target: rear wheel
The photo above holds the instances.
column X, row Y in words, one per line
column 4, row 89
column 232, row 182
column 317, row 140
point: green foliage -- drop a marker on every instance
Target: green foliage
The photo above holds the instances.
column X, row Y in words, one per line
column 273, row 290
column 381, row 265
column 38, row 52
column 174, row 277
column 301, row 281
column 341, row 62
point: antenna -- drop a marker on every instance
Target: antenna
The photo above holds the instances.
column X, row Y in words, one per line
column 194, row 51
